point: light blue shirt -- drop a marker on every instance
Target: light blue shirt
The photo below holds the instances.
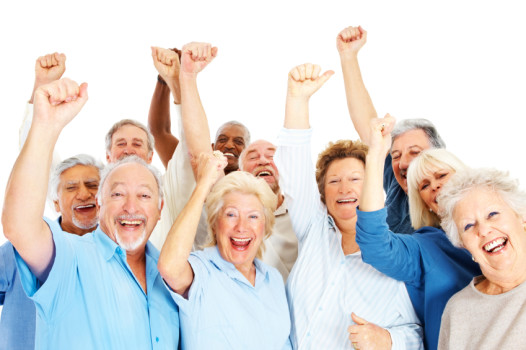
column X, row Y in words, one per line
column 17, row 322
column 92, row 300
column 224, row 311
column 325, row 285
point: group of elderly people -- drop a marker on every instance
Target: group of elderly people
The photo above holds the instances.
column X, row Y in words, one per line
column 389, row 242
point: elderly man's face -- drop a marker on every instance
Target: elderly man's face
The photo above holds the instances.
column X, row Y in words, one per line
column 76, row 199
column 130, row 206
column 407, row 147
column 492, row 232
column 128, row 140
column 258, row 159
column 231, row 141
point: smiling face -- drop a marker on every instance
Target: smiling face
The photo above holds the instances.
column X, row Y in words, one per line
column 231, row 141
column 431, row 184
column 240, row 228
column 76, row 199
column 407, row 147
column 343, row 186
column 493, row 233
column 258, row 159
column 128, row 140
column 130, row 206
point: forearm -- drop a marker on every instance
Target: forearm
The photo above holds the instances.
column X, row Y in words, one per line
column 195, row 123
column 408, row 336
column 159, row 123
column 297, row 113
column 359, row 103
column 372, row 197
column 173, row 261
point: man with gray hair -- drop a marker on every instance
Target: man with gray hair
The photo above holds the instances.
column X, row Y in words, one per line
column 73, row 187
column 410, row 136
column 105, row 283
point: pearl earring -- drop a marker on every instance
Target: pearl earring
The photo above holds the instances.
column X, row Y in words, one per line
column 473, row 258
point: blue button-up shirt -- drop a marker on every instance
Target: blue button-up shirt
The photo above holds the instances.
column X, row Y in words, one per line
column 17, row 323
column 224, row 311
column 92, row 300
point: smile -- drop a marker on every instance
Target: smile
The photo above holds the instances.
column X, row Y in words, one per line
column 240, row 243
column 495, row 245
column 83, row 208
column 229, row 154
column 264, row 173
column 347, row 201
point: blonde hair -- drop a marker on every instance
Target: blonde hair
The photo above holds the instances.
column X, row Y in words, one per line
column 245, row 183
column 421, row 167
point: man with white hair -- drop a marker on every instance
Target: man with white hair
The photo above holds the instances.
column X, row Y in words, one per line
column 73, row 187
column 106, row 282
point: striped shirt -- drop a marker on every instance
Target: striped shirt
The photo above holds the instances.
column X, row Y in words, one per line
column 325, row 285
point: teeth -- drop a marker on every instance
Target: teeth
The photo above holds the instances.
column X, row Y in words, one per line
column 129, row 222
column 85, row 206
column 495, row 246
column 352, row 200
column 228, row 154
column 241, row 240
column 264, row 173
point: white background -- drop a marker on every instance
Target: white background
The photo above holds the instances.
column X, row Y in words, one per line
column 460, row 64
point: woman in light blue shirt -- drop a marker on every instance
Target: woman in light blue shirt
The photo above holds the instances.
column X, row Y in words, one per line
column 227, row 298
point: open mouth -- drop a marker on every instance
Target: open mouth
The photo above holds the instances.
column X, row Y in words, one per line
column 240, row 243
column 495, row 245
column 347, row 201
column 84, row 208
column 229, row 155
column 264, row 173
column 131, row 222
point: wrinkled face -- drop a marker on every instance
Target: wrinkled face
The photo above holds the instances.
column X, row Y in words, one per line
column 492, row 232
column 231, row 141
column 407, row 147
column 240, row 228
column 129, row 210
column 76, row 199
column 343, row 186
column 128, row 140
column 258, row 159
column 431, row 184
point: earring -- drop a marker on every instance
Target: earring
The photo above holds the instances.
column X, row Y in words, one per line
column 473, row 258
column 430, row 210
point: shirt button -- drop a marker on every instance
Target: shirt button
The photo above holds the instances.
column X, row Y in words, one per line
column 308, row 334
column 157, row 339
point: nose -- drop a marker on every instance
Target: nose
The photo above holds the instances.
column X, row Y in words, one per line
column 263, row 160
column 345, row 186
column 435, row 185
column 83, row 193
column 229, row 144
column 130, row 205
column 242, row 224
column 483, row 229
column 405, row 160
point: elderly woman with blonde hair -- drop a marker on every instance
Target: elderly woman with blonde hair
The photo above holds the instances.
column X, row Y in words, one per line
column 227, row 298
column 431, row 267
column 484, row 211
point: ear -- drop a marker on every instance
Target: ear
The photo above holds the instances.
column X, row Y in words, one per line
column 108, row 157
column 57, row 207
column 150, row 157
column 213, row 146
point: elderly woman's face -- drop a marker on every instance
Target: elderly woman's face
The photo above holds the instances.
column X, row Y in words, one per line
column 431, row 184
column 492, row 232
column 240, row 228
column 343, row 187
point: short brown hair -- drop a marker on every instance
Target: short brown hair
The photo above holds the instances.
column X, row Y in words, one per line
column 337, row 150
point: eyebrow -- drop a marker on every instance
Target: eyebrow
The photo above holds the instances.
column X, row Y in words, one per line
column 117, row 183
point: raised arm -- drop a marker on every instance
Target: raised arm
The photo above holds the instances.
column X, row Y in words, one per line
column 55, row 105
column 173, row 262
column 167, row 63
column 195, row 57
column 304, row 81
column 361, row 109
column 48, row 68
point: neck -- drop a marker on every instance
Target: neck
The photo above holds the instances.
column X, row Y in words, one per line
column 348, row 230
column 137, row 262
column 281, row 198
column 71, row 228
column 249, row 271
column 494, row 285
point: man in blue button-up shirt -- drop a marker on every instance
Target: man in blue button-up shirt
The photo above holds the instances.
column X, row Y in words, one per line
column 101, row 290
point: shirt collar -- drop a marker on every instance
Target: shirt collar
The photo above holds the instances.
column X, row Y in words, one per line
column 282, row 210
column 105, row 244
column 212, row 254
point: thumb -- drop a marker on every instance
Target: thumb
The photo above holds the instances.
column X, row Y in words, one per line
column 324, row 77
column 358, row 320
column 214, row 51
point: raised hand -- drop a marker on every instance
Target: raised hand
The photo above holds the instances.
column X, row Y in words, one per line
column 210, row 167
column 48, row 68
column 167, row 63
column 380, row 134
column 305, row 80
column 196, row 56
column 350, row 40
column 57, row 103
column 368, row 336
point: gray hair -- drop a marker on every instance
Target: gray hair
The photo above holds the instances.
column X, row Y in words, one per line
column 79, row 159
column 126, row 160
column 467, row 180
column 234, row 123
column 123, row 122
column 425, row 125
column 420, row 168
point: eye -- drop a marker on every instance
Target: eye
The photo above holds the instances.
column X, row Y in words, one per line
column 221, row 140
column 414, row 153
column 239, row 142
column 93, row 186
column 333, row 181
column 468, row 226
column 71, row 188
column 145, row 196
column 424, row 186
column 116, row 194
column 254, row 216
column 492, row 214
column 121, row 144
column 395, row 156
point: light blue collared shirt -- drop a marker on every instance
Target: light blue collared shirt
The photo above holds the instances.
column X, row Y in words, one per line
column 92, row 300
column 224, row 311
